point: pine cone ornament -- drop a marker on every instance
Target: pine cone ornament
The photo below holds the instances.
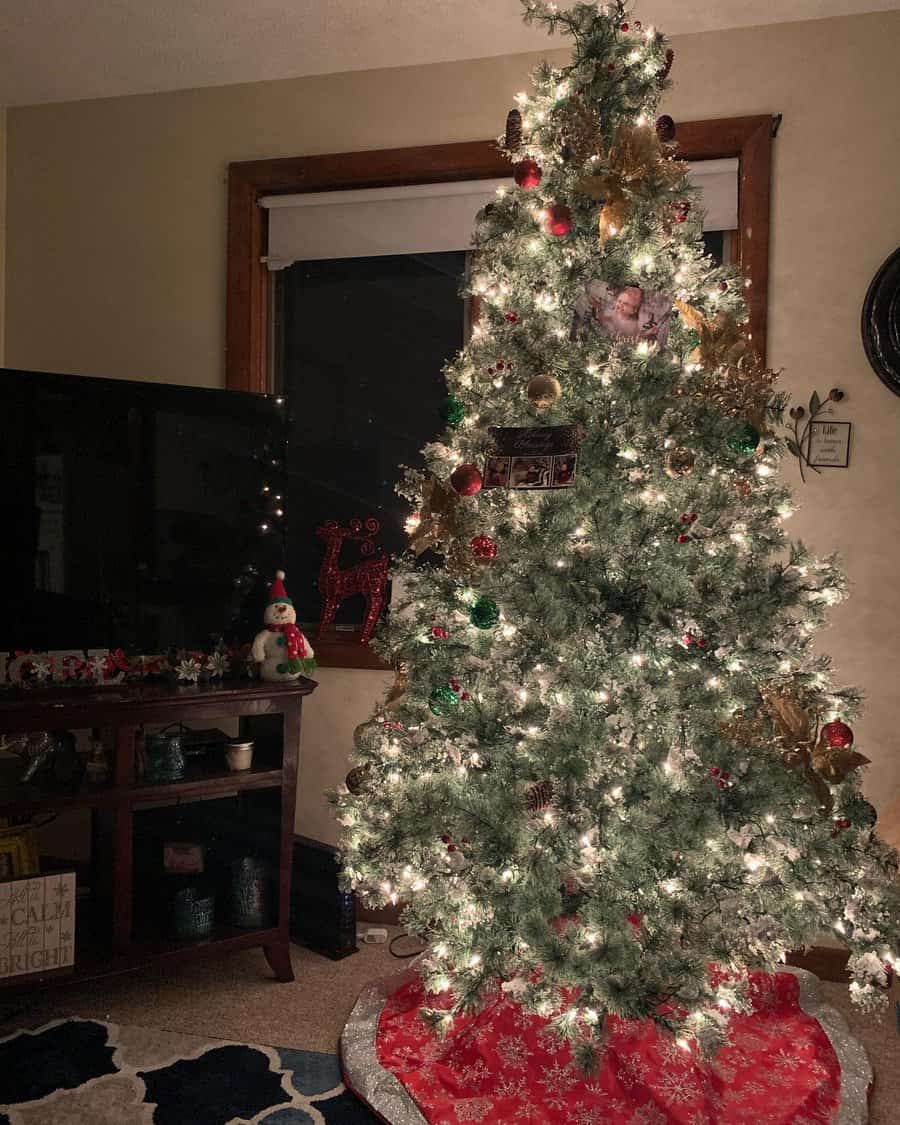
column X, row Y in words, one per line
column 513, row 140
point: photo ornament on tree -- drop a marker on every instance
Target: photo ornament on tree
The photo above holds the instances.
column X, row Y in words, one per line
column 624, row 312
column 532, row 457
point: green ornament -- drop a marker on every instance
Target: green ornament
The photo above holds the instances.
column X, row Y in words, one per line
column 452, row 411
column 744, row 438
column 485, row 613
column 443, row 701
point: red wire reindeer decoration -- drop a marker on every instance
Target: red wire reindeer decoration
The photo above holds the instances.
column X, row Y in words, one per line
column 368, row 577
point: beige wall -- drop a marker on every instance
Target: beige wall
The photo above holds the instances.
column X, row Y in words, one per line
column 116, row 267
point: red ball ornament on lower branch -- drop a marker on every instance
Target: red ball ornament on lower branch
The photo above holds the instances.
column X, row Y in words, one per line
column 466, row 479
column 837, row 735
column 559, row 220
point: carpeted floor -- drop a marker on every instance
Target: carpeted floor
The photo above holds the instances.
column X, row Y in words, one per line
column 234, row 997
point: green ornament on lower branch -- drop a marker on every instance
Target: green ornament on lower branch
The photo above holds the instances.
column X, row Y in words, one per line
column 485, row 613
column 443, row 701
column 452, row 411
column 744, row 438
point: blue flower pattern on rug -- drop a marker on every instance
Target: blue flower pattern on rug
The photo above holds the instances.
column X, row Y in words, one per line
column 216, row 1084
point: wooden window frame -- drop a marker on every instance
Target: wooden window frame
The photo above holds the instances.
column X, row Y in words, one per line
column 247, row 284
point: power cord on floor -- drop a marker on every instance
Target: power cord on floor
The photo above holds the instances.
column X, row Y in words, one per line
column 422, row 946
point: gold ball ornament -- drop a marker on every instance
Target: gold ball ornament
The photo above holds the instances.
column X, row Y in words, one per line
column 679, row 462
column 357, row 779
column 543, row 391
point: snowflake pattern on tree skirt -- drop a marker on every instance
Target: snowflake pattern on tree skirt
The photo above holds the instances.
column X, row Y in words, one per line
column 503, row 1066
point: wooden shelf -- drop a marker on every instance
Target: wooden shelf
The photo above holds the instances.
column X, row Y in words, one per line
column 196, row 783
column 107, row 940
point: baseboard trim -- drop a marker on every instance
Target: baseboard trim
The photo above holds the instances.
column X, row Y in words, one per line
column 826, row 962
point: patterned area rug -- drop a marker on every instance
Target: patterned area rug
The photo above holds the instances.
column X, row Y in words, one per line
column 74, row 1071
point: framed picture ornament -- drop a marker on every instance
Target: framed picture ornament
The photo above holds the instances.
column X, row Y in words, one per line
column 535, row 457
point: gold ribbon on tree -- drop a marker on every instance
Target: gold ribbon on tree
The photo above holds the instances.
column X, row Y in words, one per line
column 438, row 526
column 732, row 378
column 635, row 157
column 820, row 764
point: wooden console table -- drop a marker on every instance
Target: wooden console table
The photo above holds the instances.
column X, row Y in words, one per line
column 118, row 711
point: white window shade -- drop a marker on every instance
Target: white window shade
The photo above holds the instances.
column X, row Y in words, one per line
column 426, row 218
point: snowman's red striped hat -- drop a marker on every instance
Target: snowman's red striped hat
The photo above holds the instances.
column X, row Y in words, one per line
column 277, row 592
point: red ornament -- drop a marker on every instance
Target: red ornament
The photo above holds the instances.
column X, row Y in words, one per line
column 446, row 839
column 527, row 173
column 451, row 847
column 682, row 538
column 440, row 632
column 837, row 735
column 714, row 771
column 455, row 685
column 559, row 220
column 369, row 577
column 467, row 480
column 636, row 921
column 624, row 26
column 465, row 697
column 483, row 548
column 723, row 286
column 511, row 317
column 701, row 643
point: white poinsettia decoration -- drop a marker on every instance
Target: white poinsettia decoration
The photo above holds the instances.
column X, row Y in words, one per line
column 188, row 670
column 217, row 664
column 42, row 669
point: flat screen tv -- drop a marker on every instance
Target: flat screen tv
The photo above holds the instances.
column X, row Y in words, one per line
column 135, row 515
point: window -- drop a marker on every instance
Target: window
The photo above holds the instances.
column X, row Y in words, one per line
column 337, row 252
column 359, row 346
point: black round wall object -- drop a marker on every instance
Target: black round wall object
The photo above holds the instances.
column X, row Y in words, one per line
column 881, row 323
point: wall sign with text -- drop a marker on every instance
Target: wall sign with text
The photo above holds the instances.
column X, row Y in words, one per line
column 829, row 445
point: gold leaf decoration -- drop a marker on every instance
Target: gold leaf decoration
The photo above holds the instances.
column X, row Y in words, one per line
column 394, row 698
column 789, row 716
column 438, row 517
column 732, row 378
column 834, row 763
column 582, row 130
column 722, row 341
column 635, row 157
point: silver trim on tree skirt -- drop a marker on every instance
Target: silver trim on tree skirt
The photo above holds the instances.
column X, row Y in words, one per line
column 856, row 1070
column 386, row 1095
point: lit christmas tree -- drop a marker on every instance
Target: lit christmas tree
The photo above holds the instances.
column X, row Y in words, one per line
column 611, row 758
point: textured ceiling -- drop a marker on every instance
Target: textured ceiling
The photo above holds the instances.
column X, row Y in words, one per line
column 61, row 50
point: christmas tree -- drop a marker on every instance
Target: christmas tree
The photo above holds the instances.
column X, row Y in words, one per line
column 611, row 757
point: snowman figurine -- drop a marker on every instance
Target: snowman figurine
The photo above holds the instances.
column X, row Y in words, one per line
column 281, row 650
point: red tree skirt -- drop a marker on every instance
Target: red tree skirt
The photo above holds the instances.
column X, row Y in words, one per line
column 790, row 1060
